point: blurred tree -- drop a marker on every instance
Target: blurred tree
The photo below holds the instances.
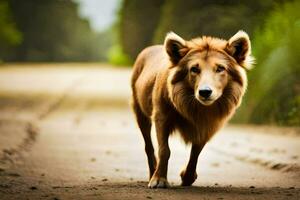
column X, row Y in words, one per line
column 146, row 22
column 53, row 31
column 138, row 21
column 219, row 18
column 274, row 85
column 9, row 35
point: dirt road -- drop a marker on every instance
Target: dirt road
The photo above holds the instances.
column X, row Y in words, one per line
column 66, row 132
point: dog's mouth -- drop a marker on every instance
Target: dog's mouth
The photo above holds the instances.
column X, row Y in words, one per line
column 206, row 101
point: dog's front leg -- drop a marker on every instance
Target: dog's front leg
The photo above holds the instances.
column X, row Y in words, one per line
column 159, row 178
column 189, row 175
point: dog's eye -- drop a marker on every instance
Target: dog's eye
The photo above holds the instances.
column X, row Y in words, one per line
column 195, row 69
column 220, row 69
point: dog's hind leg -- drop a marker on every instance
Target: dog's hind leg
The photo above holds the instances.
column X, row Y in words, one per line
column 163, row 130
column 189, row 175
column 144, row 124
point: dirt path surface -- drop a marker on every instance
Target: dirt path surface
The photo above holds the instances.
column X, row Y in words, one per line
column 66, row 132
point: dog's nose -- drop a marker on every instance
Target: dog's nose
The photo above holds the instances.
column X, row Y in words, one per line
column 205, row 92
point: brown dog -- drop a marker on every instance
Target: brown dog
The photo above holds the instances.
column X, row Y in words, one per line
column 193, row 87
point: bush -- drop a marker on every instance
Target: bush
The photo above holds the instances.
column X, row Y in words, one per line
column 274, row 85
column 116, row 56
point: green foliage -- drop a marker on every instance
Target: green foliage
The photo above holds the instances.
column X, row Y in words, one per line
column 8, row 32
column 117, row 57
column 274, row 85
column 9, row 35
column 116, row 54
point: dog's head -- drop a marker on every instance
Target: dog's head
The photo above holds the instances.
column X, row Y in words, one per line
column 209, row 65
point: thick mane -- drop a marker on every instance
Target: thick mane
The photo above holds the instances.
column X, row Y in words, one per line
column 206, row 119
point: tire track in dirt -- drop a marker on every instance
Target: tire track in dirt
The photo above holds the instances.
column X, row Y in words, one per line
column 268, row 164
column 12, row 155
column 56, row 103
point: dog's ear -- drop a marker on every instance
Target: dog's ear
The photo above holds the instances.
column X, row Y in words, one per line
column 176, row 47
column 239, row 47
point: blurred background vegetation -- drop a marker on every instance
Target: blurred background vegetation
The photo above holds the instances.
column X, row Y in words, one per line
column 54, row 31
column 48, row 31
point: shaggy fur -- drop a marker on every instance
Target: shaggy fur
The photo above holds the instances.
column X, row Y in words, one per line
column 165, row 91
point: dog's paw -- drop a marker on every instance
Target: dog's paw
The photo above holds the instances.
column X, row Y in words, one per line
column 157, row 182
column 187, row 178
